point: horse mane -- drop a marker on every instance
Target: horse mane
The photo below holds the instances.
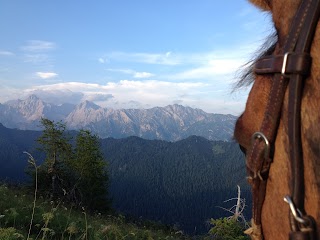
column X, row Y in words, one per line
column 245, row 76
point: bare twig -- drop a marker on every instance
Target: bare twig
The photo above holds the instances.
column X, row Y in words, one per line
column 237, row 209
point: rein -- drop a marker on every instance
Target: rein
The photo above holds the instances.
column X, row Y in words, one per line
column 291, row 67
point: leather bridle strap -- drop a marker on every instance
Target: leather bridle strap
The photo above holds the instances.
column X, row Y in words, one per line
column 292, row 64
column 295, row 64
column 304, row 228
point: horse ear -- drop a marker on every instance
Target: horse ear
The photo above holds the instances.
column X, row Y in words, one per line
column 262, row 4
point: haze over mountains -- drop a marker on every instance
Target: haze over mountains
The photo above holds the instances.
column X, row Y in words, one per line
column 170, row 123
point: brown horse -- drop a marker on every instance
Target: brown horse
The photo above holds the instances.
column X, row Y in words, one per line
column 274, row 218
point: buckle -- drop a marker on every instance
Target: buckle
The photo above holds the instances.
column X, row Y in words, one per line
column 284, row 63
column 260, row 135
column 297, row 214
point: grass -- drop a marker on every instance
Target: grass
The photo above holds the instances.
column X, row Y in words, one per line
column 22, row 216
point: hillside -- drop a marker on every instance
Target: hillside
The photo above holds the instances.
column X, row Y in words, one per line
column 56, row 220
column 178, row 183
column 170, row 123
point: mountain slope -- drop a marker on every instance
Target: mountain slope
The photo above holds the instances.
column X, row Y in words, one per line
column 180, row 183
column 12, row 145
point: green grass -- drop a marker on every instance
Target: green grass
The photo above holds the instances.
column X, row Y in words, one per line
column 23, row 218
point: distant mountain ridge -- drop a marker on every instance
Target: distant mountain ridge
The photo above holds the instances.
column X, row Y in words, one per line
column 170, row 123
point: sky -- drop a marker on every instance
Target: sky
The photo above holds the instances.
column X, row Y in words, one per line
column 129, row 53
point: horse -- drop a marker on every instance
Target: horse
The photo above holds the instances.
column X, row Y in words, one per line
column 279, row 130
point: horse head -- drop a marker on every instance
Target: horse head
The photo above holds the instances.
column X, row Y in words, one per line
column 267, row 139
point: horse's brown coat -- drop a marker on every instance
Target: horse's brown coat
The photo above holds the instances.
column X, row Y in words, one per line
column 275, row 211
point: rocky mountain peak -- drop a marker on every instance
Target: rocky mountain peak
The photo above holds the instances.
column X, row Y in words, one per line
column 88, row 105
column 172, row 123
column 32, row 97
column 31, row 108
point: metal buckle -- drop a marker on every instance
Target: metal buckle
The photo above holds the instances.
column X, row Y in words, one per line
column 284, row 64
column 296, row 213
column 260, row 135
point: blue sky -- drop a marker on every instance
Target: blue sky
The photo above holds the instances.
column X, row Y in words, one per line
column 129, row 53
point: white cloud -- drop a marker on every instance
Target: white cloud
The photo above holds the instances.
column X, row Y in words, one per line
column 143, row 75
column 36, row 51
column 197, row 80
column 101, row 60
column 46, row 75
column 36, row 58
column 133, row 73
column 120, row 70
column 174, row 59
column 56, row 96
column 98, row 97
column 211, row 69
column 136, row 94
column 6, row 53
column 149, row 58
column 38, row 46
column 190, row 65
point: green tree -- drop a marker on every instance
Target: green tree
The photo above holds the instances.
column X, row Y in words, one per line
column 79, row 174
column 232, row 227
column 227, row 229
column 55, row 143
column 92, row 172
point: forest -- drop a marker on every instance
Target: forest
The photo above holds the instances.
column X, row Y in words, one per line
column 182, row 184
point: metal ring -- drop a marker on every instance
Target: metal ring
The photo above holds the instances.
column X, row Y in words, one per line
column 295, row 211
column 260, row 135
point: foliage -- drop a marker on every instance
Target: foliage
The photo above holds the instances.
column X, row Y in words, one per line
column 10, row 233
column 76, row 174
column 58, row 220
column 233, row 226
column 91, row 171
column 54, row 143
column 227, row 229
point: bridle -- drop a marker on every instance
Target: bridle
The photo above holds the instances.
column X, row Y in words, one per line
column 289, row 68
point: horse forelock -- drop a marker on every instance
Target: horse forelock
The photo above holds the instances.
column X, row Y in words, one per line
column 245, row 75
column 265, row 5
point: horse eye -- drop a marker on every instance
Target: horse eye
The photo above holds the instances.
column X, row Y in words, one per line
column 243, row 149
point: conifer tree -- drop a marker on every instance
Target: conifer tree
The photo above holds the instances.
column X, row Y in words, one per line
column 54, row 142
column 79, row 174
column 91, row 171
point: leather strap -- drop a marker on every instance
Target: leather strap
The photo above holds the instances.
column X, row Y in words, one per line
column 303, row 45
column 299, row 236
column 293, row 64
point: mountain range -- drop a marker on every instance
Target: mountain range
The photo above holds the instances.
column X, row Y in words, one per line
column 170, row 123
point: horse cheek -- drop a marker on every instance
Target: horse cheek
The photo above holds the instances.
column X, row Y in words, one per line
column 275, row 211
column 311, row 145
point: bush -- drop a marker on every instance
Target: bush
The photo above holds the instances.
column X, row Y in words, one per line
column 10, row 234
column 227, row 229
